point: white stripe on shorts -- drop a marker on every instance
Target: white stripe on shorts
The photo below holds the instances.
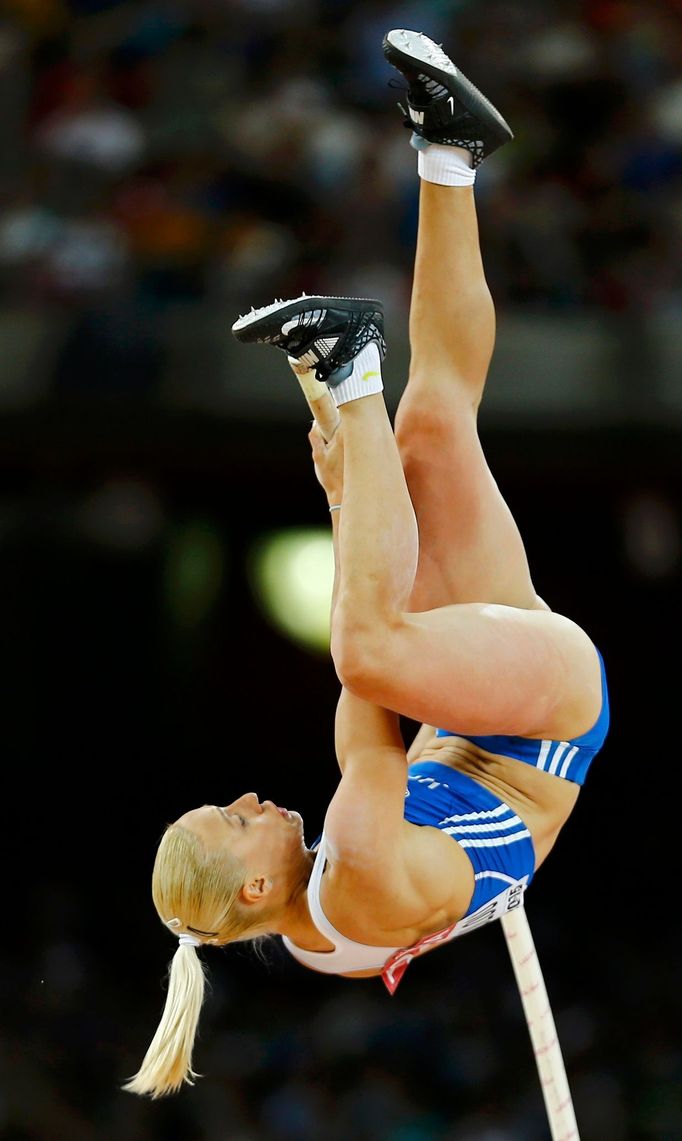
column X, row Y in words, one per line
column 543, row 754
column 496, row 876
column 558, row 754
column 486, row 814
column 497, row 826
column 567, row 761
column 498, row 843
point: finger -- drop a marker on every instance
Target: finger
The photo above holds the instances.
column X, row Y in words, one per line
column 316, row 438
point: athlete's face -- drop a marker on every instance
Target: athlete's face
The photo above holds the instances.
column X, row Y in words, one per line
column 264, row 837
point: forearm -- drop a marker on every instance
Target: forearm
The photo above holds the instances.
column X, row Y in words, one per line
column 335, row 544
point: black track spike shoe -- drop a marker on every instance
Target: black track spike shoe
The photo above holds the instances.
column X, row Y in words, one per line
column 324, row 333
column 442, row 105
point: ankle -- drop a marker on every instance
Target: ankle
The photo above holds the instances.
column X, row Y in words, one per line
column 365, row 378
column 445, row 165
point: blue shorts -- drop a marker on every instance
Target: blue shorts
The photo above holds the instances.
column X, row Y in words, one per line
column 494, row 838
column 567, row 759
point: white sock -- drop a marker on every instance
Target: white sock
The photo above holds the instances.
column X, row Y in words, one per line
column 365, row 378
column 448, row 166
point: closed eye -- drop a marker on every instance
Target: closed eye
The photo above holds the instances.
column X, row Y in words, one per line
column 229, row 817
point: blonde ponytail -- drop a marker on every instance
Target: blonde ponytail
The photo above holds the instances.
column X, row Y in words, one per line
column 202, row 887
column 168, row 1061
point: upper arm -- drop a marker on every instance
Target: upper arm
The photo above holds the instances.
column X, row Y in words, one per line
column 364, row 821
column 385, row 872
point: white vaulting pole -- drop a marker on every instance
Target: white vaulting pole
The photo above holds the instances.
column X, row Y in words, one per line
column 541, row 1026
column 320, row 400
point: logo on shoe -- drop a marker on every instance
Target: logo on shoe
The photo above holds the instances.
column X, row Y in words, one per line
column 367, row 376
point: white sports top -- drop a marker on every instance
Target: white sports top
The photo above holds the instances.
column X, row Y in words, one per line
column 347, row 954
column 392, row 962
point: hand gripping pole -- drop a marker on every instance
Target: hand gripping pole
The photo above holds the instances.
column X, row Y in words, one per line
column 320, row 399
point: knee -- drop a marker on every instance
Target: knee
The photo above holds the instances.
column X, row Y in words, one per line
column 361, row 650
column 417, row 423
column 430, row 411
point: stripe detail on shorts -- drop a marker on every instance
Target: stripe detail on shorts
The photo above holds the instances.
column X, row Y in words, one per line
column 496, row 840
column 468, row 828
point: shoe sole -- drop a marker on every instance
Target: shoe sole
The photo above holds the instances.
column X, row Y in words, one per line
column 287, row 309
column 419, row 53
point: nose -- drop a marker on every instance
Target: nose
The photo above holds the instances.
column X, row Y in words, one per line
column 250, row 799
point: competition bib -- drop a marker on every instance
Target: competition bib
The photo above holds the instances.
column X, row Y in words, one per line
column 507, row 900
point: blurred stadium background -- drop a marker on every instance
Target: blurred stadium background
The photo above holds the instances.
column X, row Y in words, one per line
column 164, row 165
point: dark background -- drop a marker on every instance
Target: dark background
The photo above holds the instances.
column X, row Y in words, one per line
column 164, row 167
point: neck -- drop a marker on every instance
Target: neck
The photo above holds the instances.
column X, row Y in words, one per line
column 295, row 921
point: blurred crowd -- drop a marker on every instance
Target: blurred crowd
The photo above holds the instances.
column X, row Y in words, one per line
column 205, row 151
column 283, row 1059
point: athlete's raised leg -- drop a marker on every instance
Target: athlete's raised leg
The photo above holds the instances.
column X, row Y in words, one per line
column 470, row 547
column 471, row 646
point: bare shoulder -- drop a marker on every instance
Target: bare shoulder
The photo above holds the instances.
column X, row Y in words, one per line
column 427, row 886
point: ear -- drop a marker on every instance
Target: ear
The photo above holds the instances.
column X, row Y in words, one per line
column 256, row 889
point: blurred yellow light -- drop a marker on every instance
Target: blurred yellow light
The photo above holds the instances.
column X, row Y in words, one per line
column 292, row 576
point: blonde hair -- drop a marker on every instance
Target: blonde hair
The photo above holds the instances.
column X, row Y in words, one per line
column 200, row 888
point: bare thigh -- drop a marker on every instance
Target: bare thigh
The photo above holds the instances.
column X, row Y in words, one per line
column 470, row 548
